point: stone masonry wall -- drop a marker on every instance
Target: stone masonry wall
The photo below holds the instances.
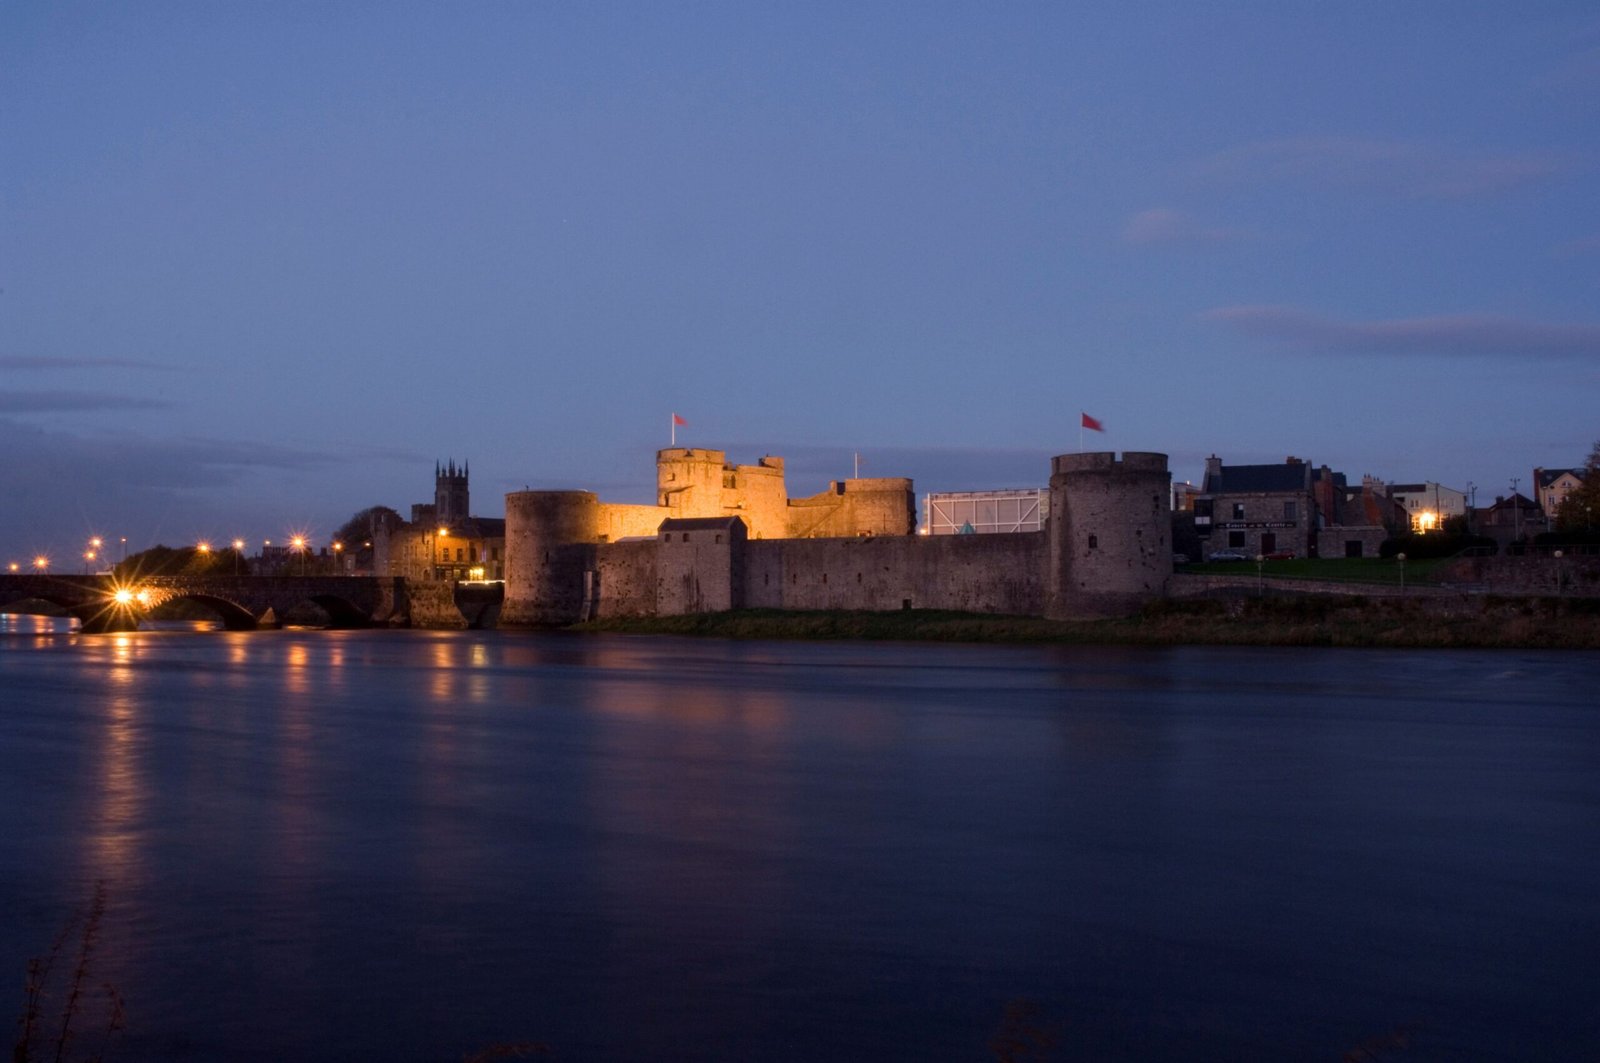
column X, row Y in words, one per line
column 626, row 577
column 972, row 573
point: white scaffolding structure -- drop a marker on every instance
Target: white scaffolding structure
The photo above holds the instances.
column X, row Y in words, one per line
column 984, row 512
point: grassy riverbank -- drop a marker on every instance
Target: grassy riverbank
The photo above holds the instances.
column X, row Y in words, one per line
column 1483, row 622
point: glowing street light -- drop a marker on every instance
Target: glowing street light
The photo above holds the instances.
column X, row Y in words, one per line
column 298, row 545
column 41, row 562
column 338, row 548
column 88, row 559
column 13, row 566
column 444, row 551
column 238, row 548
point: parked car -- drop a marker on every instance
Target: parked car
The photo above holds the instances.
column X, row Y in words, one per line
column 1180, row 559
column 1281, row 555
column 1227, row 555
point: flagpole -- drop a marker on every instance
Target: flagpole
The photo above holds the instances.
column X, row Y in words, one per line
column 672, row 423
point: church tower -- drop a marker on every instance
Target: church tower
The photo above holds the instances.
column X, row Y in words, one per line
column 451, row 501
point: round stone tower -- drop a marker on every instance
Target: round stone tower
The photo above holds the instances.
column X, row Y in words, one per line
column 546, row 535
column 689, row 481
column 1110, row 533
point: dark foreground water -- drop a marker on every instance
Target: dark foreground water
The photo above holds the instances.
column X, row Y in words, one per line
column 410, row 846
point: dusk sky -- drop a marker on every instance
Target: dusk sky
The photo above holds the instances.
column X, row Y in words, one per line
column 262, row 265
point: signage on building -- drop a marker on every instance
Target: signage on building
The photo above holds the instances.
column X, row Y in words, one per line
column 1237, row 524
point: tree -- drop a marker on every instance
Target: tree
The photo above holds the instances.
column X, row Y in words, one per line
column 179, row 561
column 1580, row 511
column 360, row 527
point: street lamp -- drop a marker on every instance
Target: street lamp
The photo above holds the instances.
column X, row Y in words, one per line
column 444, row 533
column 1558, row 573
column 1260, row 559
column 298, row 545
column 1516, row 509
column 238, row 547
column 88, row 559
column 338, row 548
column 13, row 566
column 1402, row 559
column 41, row 562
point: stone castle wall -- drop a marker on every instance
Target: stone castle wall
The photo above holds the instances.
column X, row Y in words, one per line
column 971, row 573
column 1106, row 551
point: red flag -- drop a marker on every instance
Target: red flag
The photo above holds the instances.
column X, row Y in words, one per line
column 679, row 420
column 1092, row 425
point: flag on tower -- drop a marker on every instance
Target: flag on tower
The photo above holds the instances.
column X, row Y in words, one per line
column 1092, row 424
column 676, row 420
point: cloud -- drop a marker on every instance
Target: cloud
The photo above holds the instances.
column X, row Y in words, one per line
column 1161, row 225
column 1408, row 168
column 1582, row 246
column 27, row 363
column 25, row 402
column 1464, row 334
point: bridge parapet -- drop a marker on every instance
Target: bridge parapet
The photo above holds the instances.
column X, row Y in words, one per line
column 105, row 603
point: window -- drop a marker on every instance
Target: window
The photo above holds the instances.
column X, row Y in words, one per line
column 685, row 536
column 1238, row 511
column 718, row 541
column 1288, row 511
column 1235, row 540
column 1094, row 541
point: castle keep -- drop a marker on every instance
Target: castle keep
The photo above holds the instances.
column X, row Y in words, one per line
column 726, row 537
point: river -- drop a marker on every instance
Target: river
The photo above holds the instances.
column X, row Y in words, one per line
column 324, row 845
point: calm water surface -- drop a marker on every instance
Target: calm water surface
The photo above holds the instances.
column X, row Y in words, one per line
column 409, row 846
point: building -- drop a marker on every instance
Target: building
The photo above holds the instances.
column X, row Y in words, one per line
column 442, row 541
column 1428, row 505
column 985, row 512
column 1510, row 520
column 1552, row 486
column 1292, row 509
column 713, row 543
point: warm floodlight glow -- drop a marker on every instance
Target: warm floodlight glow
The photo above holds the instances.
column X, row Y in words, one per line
column 238, row 544
column 142, row 597
column 443, row 532
column 202, row 547
column 95, row 542
column 41, row 562
column 1427, row 521
column 123, row 596
column 298, row 542
column 13, row 566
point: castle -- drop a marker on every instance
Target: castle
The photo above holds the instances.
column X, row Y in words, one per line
column 726, row 536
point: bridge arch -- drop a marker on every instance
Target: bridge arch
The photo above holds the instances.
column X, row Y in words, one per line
column 234, row 616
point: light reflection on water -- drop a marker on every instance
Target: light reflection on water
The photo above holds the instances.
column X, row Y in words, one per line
column 407, row 845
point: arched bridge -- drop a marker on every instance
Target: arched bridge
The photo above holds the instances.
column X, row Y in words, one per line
column 104, row 603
